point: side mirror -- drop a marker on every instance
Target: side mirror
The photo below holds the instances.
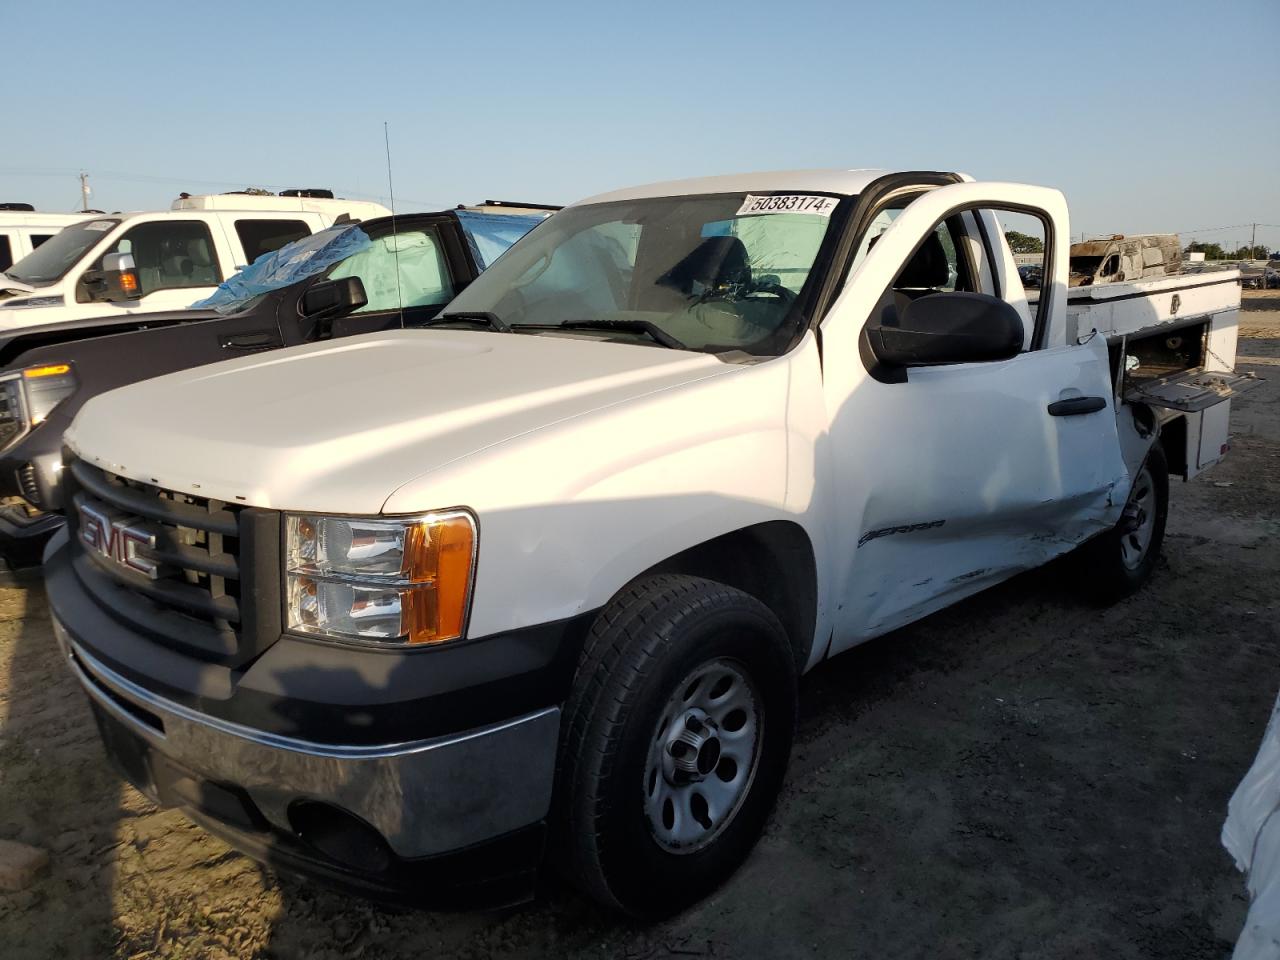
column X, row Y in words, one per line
column 331, row 298
column 116, row 281
column 948, row 328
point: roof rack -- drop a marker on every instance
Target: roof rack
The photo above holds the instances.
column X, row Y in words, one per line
column 12, row 205
column 517, row 203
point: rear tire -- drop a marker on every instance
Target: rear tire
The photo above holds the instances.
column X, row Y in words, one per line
column 1117, row 563
column 676, row 738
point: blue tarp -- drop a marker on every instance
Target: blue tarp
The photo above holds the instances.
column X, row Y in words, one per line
column 489, row 234
column 291, row 263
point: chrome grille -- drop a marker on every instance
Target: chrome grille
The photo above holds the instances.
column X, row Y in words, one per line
column 27, row 483
column 166, row 562
column 13, row 418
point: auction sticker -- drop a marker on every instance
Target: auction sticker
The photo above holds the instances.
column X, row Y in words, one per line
column 813, row 204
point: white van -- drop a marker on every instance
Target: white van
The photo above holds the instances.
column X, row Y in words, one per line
column 23, row 228
column 161, row 260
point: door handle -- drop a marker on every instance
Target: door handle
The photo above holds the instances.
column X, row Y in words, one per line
column 1075, row 406
column 250, row 341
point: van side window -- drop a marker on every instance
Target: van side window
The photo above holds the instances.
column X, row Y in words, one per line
column 39, row 238
column 265, row 236
column 170, row 254
column 424, row 278
column 6, row 254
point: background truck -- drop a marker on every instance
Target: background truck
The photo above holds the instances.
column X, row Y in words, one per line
column 23, row 228
column 345, row 280
column 176, row 256
column 1118, row 258
column 412, row 610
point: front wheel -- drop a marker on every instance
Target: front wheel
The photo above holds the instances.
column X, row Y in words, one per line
column 676, row 738
column 1120, row 561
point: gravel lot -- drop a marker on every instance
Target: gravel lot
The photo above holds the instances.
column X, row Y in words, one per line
column 1019, row 776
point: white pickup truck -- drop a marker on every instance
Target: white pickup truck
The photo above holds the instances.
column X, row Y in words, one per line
column 23, row 229
column 174, row 257
column 399, row 610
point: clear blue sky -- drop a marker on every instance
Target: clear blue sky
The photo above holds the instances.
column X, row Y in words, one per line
column 1150, row 116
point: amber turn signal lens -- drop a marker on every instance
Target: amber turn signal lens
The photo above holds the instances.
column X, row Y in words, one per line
column 439, row 553
column 51, row 370
column 128, row 283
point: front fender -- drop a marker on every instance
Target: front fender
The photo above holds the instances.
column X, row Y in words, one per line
column 571, row 512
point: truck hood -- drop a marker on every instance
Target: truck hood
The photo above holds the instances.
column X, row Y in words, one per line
column 50, row 342
column 339, row 426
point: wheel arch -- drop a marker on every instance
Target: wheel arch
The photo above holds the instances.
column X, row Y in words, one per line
column 774, row 561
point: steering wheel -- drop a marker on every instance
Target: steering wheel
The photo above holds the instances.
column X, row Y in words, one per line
column 772, row 288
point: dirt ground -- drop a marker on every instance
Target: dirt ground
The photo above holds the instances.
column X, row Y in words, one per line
column 1020, row 776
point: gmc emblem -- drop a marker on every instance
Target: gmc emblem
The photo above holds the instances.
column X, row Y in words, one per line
column 117, row 540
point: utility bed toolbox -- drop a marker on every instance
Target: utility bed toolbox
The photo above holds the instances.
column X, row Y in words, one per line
column 1191, row 390
column 1173, row 347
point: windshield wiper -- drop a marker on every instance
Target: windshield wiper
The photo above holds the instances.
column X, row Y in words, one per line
column 490, row 320
column 652, row 330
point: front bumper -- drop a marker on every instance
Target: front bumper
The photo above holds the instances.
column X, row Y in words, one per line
column 30, row 470
column 281, row 798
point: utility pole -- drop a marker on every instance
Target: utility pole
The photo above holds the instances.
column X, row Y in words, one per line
column 84, row 192
column 1254, row 242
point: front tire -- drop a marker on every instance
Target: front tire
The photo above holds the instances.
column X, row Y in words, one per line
column 1117, row 563
column 676, row 738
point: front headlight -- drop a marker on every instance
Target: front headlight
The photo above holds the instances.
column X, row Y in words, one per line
column 395, row 580
column 47, row 386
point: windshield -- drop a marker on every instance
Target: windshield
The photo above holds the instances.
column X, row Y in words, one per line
column 1085, row 266
column 50, row 261
column 490, row 234
column 713, row 272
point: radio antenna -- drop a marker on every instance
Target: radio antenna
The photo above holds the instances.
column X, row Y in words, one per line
column 395, row 237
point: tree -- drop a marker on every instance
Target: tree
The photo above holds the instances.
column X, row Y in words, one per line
column 1251, row 253
column 1023, row 242
column 1215, row 251
column 1211, row 251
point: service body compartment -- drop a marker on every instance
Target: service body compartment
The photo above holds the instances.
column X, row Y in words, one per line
column 1173, row 348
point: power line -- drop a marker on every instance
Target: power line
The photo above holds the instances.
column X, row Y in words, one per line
column 1232, row 226
column 192, row 181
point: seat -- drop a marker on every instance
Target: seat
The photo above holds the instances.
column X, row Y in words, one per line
column 926, row 271
column 715, row 262
column 187, row 261
column 203, row 272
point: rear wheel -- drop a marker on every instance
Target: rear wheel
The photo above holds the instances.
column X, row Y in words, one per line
column 1120, row 561
column 677, row 734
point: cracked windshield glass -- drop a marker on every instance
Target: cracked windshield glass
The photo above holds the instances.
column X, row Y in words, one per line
column 713, row 273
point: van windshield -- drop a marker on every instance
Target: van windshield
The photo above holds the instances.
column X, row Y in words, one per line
column 713, row 272
column 1085, row 266
column 50, row 261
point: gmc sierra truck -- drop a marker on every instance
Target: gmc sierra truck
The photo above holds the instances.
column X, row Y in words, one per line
column 338, row 282
column 417, row 610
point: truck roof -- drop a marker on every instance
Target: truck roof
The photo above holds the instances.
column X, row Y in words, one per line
column 26, row 218
column 848, row 182
column 359, row 209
